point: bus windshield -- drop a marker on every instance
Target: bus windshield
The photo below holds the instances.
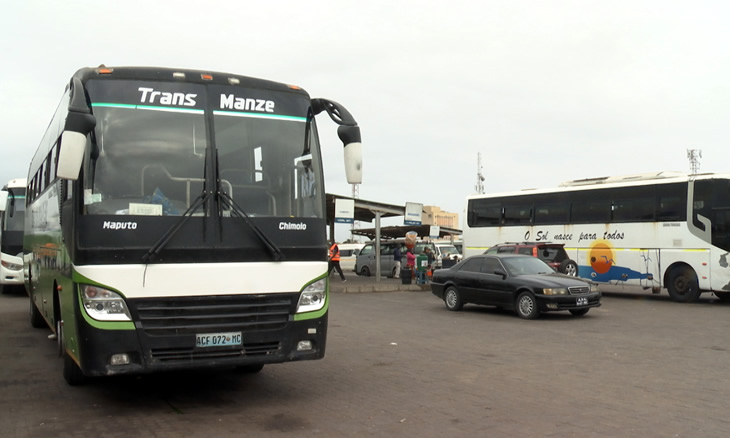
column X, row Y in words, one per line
column 14, row 218
column 150, row 159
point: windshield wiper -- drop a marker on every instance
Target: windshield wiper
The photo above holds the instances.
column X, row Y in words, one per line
column 235, row 208
column 157, row 247
column 271, row 246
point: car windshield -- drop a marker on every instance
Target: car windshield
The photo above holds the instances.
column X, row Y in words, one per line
column 526, row 266
column 447, row 250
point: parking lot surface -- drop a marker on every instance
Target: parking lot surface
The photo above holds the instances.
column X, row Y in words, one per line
column 399, row 364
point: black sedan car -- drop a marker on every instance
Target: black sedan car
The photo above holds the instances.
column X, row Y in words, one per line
column 519, row 282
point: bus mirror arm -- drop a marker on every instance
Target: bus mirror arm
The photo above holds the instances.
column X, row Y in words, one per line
column 348, row 132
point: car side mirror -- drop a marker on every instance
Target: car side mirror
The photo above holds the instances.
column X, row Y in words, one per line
column 501, row 273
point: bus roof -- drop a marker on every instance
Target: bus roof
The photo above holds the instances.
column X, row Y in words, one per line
column 182, row 75
column 16, row 183
column 609, row 182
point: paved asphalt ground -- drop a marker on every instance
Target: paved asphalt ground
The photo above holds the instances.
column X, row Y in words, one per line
column 399, row 364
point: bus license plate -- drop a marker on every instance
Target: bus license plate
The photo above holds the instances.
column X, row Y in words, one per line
column 582, row 301
column 218, row 339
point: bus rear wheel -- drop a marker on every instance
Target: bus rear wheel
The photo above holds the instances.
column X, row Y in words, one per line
column 682, row 284
column 36, row 319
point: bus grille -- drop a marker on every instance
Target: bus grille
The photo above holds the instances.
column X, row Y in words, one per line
column 186, row 354
column 579, row 290
column 191, row 315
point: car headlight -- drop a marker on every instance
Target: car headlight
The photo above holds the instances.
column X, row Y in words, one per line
column 312, row 297
column 555, row 291
column 11, row 266
column 103, row 304
column 594, row 287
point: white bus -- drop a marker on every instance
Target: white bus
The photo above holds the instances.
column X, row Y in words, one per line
column 658, row 230
column 12, row 220
column 176, row 219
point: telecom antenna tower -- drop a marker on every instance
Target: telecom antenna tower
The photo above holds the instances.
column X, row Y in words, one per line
column 480, row 177
column 694, row 155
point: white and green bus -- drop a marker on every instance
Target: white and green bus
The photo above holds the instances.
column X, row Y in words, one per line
column 176, row 219
column 12, row 221
column 657, row 230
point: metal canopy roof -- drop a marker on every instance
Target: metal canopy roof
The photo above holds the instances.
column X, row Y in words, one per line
column 364, row 210
column 395, row 232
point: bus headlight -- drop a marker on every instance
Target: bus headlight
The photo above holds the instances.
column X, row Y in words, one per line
column 11, row 266
column 555, row 291
column 103, row 304
column 312, row 297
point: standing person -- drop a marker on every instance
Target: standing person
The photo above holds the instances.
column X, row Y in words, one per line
column 421, row 266
column 397, row 258
column 410, row 259
column 431, row 256
column 335, row 261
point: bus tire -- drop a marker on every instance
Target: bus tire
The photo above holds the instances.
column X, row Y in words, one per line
column 724, row 297
column 71, row 372
column 452, row 299
column 36, row 319
column 568, row 267
column 682, row 284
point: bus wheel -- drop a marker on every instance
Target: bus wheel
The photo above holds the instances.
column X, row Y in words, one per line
column 36, row 319
column 682, row 285
column 723, row 296
column 569, row 267
column 71, row 372
column 452, row 299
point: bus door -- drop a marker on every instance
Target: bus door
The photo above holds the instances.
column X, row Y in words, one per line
column 650, row 273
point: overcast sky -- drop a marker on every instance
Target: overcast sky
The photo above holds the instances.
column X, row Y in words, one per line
column 546, row 91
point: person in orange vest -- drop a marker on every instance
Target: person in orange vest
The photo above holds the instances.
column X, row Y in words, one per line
column 335, row 261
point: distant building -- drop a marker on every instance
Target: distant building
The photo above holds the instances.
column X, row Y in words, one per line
column 435, row 216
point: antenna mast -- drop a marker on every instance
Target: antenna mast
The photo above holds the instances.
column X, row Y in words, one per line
column 694, row 155
column 480, row 177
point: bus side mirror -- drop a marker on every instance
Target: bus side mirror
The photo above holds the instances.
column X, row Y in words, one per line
column 73, row 145
column 79, row 122
column 3, row 200
column 350, row 136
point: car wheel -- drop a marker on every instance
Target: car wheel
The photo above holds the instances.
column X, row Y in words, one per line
column 36, row 319
column 453, row 299
column 365, row 272
column 569, row 267
column 579, row 312
column 682, row 285
column 527, row 306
